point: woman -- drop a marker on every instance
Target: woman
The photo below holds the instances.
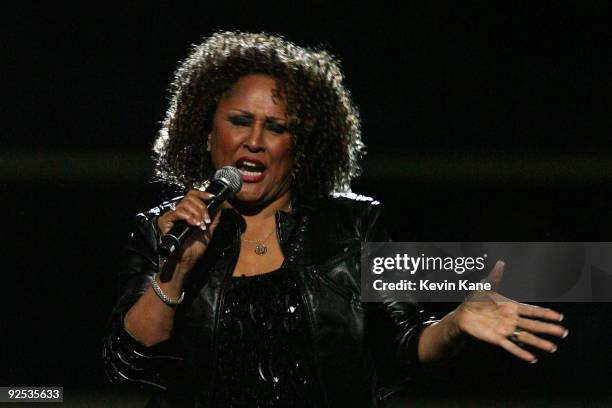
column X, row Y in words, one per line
column 261, row 306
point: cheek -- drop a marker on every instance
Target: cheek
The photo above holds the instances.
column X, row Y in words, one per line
column 223, row 143
column 283, row 155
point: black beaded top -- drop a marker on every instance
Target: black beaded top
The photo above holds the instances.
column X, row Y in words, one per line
column 265, row 349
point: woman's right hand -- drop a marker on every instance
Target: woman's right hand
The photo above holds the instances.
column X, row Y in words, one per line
column 191, row 209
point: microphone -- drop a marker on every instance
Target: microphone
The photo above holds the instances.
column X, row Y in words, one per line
column 226, row 181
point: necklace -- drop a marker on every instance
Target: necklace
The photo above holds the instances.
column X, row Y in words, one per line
column 260, row 246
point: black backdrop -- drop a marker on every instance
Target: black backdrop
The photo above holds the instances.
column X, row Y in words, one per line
column 483, row 121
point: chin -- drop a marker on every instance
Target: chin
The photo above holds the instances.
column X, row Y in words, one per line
column 249, row 197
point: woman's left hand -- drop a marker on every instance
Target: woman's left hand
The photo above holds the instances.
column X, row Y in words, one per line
column 493, row 318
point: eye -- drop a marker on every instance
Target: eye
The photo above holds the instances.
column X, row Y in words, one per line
column 276, row 127
column 240, row 120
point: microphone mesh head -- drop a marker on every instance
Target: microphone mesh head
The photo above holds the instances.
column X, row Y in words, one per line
column 231, row 176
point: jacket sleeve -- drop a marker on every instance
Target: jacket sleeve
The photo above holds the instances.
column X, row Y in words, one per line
column 396, row 325
column 126, row 359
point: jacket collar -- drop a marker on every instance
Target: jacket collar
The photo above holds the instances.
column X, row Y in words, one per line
column 231, row 223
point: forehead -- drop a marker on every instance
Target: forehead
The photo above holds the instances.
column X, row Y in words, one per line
column 256, row 90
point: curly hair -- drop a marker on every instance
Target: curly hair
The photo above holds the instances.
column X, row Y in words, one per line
column 323, row 120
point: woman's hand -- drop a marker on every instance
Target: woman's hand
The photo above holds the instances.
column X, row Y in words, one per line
column 150, row 320
column 191, row 209
column 491, row 317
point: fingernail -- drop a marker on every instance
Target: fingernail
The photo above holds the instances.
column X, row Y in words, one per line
column 561, row 318
column 553, row 349
column 199, row 223
column 565, row 334
column 207, row 219
column 535, row 360
column 203, row 226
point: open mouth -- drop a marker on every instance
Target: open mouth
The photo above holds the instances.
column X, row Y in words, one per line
column 251, row 169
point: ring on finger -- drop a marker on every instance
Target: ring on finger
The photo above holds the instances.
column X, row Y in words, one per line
column 514, row 335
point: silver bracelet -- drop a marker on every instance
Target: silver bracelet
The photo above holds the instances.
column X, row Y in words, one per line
column 165, row 298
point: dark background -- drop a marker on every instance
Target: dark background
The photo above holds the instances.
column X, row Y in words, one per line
column 485, row 121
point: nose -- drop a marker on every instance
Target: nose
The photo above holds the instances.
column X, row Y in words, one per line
column 254, row 141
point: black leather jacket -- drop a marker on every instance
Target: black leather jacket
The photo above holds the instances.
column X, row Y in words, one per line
column 359, row 347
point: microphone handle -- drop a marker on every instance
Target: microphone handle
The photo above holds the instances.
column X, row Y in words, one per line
column 179, row 232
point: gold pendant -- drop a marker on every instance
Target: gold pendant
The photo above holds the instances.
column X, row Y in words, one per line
column 260, row 248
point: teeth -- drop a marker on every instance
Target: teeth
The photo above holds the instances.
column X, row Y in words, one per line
column 251, row 173
column 250, row 164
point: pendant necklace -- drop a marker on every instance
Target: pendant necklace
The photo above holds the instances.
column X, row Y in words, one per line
column 260, row 245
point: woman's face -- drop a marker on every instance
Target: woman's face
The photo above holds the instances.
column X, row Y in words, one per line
column 249, row 132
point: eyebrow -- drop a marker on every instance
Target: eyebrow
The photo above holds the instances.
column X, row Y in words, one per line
column 250, row 114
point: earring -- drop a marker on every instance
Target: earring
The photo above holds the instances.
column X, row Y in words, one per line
column 208, row 143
